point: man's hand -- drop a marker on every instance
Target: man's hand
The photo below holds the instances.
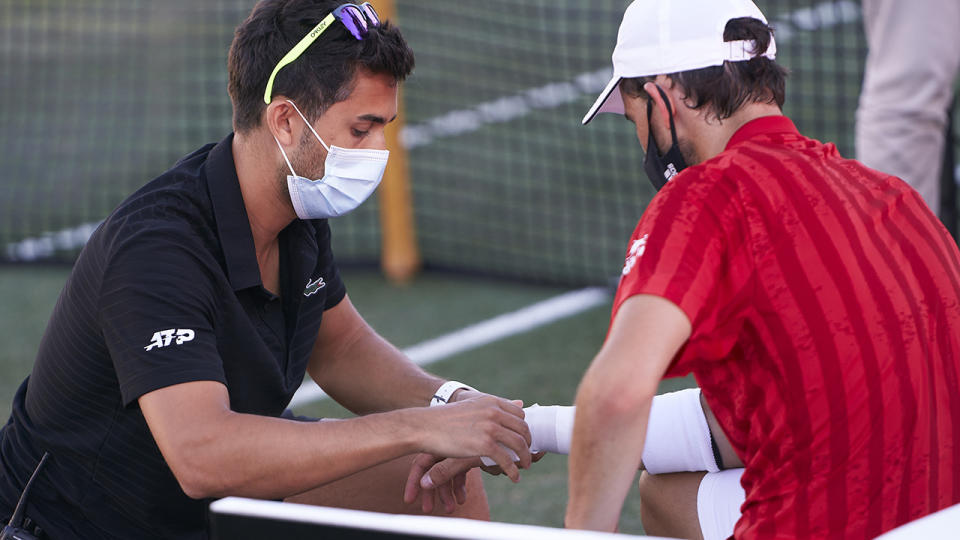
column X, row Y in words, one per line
column 437, row 478
column 450, row 486
column 476, row 425
column 444, row 479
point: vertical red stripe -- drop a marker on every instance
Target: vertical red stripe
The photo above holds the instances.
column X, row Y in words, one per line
column 934, row 298
column 672, row 201
column 802, row 291
column 814, row 313
column 916, row 261
column 866, row 271
column 784, row 371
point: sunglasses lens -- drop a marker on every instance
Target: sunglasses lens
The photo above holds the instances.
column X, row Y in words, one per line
column 353, row 19
column 371, row 14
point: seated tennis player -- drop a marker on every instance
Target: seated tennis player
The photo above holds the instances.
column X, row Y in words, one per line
column 816, row 301
column 197, row 307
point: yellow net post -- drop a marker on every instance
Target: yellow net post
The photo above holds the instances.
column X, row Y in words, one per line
column 400, row 256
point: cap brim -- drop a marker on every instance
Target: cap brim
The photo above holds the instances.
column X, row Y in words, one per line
column 608, row 102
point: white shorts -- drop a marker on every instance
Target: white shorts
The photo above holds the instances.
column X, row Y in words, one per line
column 718, row 503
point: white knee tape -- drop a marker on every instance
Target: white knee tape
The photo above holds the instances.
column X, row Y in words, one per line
column 678, row 437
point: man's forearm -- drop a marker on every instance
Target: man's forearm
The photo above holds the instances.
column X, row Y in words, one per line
column 361, row 370
column 607, row 443
column 371, row 375
column 613, row 406
column 214, row 451
column 272, row 458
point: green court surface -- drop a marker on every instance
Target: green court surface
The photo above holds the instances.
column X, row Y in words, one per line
column 543, row 365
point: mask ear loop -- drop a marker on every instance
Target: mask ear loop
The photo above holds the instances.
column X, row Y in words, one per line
column 280, row 146
column 651, row 141
column 325, row 147
column 673, row 129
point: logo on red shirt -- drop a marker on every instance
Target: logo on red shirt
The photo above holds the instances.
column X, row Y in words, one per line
column 636, row 250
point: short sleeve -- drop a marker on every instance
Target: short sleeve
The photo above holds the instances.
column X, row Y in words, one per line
column 327, row 266
column 157, row 311
column 690, row 248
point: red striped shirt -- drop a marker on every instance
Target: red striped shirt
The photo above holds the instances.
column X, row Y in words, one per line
column 824, row 299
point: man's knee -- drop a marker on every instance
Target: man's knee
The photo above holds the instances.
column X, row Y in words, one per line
column 668, row 504
column 647, row 486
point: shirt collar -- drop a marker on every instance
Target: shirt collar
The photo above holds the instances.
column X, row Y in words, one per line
column 230, row 214
column 765, row 125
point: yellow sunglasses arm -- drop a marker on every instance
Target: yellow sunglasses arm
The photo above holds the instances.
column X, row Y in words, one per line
column 296, row 51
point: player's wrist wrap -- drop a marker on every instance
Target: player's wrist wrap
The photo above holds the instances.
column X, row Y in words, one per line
column 678, row 437
column 446, row 390
column 551, row 429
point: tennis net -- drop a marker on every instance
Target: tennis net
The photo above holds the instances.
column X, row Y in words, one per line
column 101, row 96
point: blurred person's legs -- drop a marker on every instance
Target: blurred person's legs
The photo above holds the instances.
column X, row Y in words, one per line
column 691, row 504
column 912, row 63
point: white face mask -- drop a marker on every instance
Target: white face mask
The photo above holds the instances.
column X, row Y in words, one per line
column 350, row 176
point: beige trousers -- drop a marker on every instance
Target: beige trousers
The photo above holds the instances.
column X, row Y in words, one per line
column 912, row 63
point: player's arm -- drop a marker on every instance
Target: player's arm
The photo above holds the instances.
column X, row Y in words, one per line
column 215, row 452
column 363, row 371
column 613, row 404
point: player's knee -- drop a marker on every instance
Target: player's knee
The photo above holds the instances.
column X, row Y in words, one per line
column 651, row 495
column 645, row 485
column 668, row 504
column 652, row 515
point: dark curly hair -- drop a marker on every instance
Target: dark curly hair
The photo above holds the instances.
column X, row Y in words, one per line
column 318, row 78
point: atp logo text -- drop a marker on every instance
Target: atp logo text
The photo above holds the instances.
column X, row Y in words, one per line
column 164, row 338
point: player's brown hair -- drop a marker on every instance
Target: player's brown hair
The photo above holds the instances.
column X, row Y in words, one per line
column 726, row 88
column 322, row 75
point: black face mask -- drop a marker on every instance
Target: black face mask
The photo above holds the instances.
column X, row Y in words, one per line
column 661, row 168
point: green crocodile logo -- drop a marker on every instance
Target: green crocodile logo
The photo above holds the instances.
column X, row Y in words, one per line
column 314, row 286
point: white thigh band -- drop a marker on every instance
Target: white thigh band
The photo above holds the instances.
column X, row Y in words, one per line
column 678, row 438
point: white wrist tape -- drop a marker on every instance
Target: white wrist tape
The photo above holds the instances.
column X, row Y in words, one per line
column 678, row 437
column 551, row 429
column 446, row 390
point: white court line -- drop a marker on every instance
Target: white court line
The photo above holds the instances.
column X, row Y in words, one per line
column 485, row 332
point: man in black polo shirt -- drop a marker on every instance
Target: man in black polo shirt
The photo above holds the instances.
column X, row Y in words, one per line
column 193, row 313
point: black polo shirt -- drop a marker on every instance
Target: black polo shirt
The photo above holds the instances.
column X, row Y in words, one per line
column 167, row 291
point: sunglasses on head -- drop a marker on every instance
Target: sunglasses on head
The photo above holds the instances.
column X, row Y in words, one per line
column 357, row 19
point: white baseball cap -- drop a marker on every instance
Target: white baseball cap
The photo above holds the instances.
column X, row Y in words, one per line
column 668, row 36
